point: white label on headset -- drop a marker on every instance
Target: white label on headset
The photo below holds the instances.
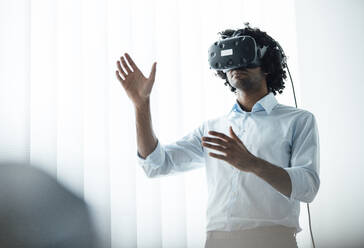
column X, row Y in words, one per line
column 226, row 52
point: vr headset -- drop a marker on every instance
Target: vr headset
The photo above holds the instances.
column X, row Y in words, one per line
column 235, row 52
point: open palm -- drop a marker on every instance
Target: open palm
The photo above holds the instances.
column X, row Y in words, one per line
column 136, row 85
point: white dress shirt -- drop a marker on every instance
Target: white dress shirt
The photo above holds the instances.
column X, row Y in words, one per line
column 282, row 135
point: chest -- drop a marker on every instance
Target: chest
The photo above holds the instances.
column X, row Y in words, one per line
column 267, row 138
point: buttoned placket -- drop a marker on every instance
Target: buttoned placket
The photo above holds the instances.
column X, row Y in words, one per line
column 235, row 172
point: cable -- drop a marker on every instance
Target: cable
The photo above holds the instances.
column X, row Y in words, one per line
column 294, row 92
column 308, row 206
column 309, row 222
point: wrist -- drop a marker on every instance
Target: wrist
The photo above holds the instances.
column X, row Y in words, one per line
column 142, row 105
column 256, row 165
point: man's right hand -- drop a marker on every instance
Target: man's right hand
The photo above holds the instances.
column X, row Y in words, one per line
column 137, row 87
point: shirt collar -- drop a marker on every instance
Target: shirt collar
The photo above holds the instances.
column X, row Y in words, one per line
column 267, row 103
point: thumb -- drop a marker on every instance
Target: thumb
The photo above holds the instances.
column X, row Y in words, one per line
column 234, row 136
column 153, row 71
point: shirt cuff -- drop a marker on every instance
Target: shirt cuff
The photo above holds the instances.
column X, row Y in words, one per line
column 305, row 184
column 295, row 176
column 154, row 159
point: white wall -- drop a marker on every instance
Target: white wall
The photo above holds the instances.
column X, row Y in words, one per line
column 330, row 38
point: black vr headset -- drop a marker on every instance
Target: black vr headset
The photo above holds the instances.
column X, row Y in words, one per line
column 235, row 52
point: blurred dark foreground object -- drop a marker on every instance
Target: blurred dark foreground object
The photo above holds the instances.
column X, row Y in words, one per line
column 36, row 211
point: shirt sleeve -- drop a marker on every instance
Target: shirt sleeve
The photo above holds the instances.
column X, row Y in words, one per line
column 305, row 160
column 182, row 155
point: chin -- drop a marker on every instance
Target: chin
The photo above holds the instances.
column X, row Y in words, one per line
column 246, row 87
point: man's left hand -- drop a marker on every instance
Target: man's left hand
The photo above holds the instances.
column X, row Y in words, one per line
column 233, row 149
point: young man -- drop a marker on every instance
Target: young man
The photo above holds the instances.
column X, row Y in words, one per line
column 261, row 159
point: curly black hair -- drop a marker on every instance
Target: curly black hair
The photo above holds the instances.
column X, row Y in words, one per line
column 273, row 61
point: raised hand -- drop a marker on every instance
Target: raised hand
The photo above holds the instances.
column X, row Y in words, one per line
column 136, row 85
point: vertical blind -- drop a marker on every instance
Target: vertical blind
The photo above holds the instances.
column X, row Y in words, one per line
column 62, row 109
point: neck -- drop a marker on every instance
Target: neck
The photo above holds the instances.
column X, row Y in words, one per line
column 247, row 100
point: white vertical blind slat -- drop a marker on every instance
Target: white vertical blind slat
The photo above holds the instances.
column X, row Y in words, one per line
column 43, row 90
column 14, row 81
column 96, row 84
column 70, row 94
column 121, row 133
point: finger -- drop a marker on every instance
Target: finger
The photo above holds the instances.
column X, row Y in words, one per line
column 218, row 148
column 119, row 77
column 153, row 71
column 233, row 135
column 216, row 141
column 121, row 69
column 218, row 156
column 125, row 65
column 131, row 62
column 221, row 135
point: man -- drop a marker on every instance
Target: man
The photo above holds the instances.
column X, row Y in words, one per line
column 261, row 159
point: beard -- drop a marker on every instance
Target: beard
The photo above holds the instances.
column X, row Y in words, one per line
column 246, row 84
